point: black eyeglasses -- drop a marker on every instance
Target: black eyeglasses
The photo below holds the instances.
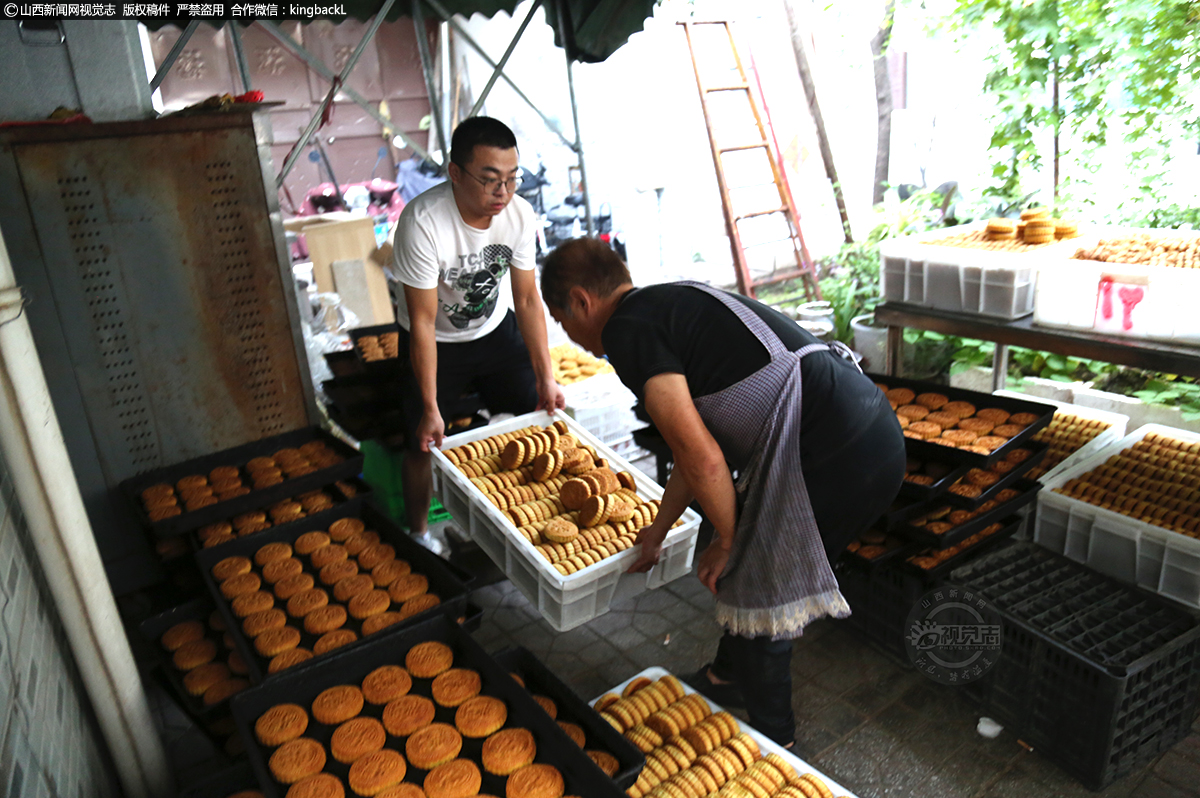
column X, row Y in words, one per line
column 491, row 183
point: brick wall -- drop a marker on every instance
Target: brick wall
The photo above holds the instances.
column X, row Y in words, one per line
column 49, row 741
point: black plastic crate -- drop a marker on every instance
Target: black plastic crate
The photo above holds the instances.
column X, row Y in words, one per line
column 582, row 776
column 880, row 600
column 600, row 734
column 343, row 363
column 448, row 582
column 238, row 456
column 1099, row 676
column 924, row 450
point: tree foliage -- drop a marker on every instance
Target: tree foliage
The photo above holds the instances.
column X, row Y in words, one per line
column 1120, row 65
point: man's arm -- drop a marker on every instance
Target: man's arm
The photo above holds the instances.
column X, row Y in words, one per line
column 532, row 321
column 422, row 315
column 700, row 463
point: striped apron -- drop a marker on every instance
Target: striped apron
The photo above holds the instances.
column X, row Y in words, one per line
column 778, row 578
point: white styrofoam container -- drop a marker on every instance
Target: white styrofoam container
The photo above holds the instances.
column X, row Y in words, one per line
column 766, row 744
column 962, row 280
column 564, row 601
column 1154, row 558
column 1069, row 292
column 1115, row 432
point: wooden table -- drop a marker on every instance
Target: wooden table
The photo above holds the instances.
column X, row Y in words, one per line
column 1136, row 352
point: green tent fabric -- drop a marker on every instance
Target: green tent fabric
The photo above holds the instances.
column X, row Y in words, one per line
column 598, row 27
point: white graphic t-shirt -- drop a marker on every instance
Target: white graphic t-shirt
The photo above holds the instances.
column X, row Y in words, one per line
column 435, row 248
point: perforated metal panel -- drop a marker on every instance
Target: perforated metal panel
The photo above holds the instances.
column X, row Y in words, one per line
column 159, row 249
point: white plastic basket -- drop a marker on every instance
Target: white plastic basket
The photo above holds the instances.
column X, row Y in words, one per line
column 564, row 601
column 1150, row 556
column 985, row 282
column 603, row 406
column 1114, row 433
column 766, row 744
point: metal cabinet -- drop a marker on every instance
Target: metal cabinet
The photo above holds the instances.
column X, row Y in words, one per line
column 160, row 297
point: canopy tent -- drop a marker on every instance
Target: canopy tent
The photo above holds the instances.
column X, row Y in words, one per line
column 598, row 27
column 587, row 30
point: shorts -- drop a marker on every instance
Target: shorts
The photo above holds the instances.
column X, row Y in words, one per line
column 497, row 366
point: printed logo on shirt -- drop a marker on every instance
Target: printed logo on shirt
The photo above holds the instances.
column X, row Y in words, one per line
column 477, row 277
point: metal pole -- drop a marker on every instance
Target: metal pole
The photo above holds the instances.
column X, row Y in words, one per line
column 316, row 65
column 504, row 59
column 315, row 122
column 446, row 15
column 435, row 102
column 239, row 55
column 176, row 49
column 999, row 367
column 562, row 36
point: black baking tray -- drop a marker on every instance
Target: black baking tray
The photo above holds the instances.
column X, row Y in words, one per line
column 901, row 548
column 914, row 490
column 364, row 490
column 343, row 363
column 387, row 366
column 942, row 572
column 600, row 734
column 1028, row 493
column 903, row 510
column 444, row 580
column 239, row 456
column 152, row 630
column 224, row 783
column 1039, row 453
column 924, row 450
column 350, row 666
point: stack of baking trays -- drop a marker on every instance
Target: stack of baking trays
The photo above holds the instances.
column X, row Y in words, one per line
column 426, row 712
column 966, row 480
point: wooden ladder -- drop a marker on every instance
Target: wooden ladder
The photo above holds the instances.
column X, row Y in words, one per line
column 803, row 267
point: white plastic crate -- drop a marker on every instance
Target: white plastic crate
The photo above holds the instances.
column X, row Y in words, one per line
column 1070, row 292
column 1114, row 433
column 603, row 406
column 959, row 279
column 1154, row 558
column 564, row 601
column 766, row 744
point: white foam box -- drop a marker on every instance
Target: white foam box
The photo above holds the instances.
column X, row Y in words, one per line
column 1118, row 424
column 1092, row 295
column 1134, row 551
column 959, row 279
column 766, row 744
column 564, row 601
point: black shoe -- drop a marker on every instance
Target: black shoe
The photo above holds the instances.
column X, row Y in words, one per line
column 729, row 696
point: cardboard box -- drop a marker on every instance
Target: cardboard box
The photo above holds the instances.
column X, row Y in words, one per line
column 350, row 240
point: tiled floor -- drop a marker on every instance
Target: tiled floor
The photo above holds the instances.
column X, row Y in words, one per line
column 877, row 727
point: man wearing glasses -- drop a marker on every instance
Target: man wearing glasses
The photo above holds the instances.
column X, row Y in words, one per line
column 457, row 248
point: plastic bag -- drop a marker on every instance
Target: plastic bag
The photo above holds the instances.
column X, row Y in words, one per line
column 332, row 316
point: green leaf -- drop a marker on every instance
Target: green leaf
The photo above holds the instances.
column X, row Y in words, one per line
column 1061, row 378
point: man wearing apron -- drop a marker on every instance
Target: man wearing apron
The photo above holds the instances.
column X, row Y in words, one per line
column 734, row 386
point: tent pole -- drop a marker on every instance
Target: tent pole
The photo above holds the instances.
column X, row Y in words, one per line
column 315, row 122
column 562, row 36
column 239, row 55
column 435, row 100
column 176, row 49
column 504, row 59
column 316, row 65
column 446, row 15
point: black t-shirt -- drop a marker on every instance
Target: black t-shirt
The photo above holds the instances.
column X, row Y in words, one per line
column 682, row 330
